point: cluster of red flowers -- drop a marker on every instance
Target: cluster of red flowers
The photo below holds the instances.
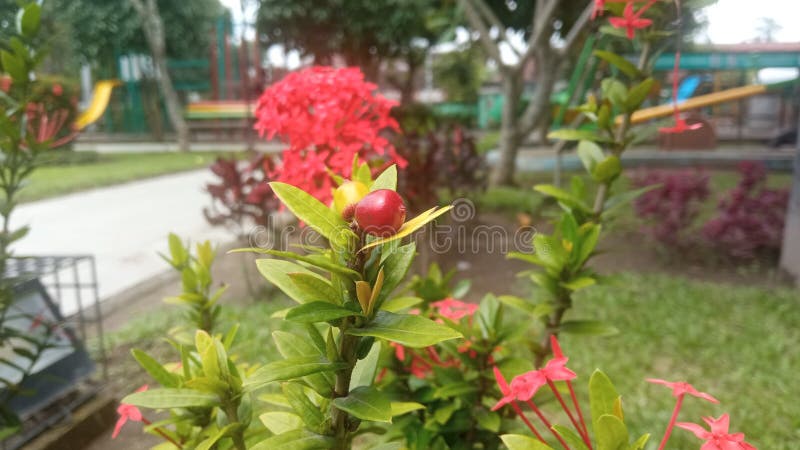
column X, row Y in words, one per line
column 523, row 387
column 328, row 117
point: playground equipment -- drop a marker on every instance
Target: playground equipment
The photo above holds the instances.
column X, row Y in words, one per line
column 47, row 125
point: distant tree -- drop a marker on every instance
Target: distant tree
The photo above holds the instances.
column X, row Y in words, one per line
column 366, row 33
column 460, row 73
column 766, row 29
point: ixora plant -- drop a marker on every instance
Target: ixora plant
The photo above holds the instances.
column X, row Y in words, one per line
column 327, row 392
column 563, row 255
column 606, row 413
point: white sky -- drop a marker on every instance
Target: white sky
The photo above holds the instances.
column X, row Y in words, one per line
column 729, row 22
column 736, row 21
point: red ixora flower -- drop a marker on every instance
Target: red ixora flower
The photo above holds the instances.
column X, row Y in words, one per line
column 453, row 309
column 126, row 413
column 328, row 117
column 680, row 126
column 681, row 388
column 630, row 20
column 717, row 438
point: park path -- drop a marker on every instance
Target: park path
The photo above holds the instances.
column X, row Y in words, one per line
column 122, row 226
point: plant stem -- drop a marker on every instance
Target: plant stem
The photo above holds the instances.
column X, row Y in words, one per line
column 671, row 424
column 162, row 433
column 233, row 417
column 578, row 408
column 575, row 423
column 527, row 422
column 547, row 424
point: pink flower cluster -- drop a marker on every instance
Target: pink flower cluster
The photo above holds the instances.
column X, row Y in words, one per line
column 328, row 117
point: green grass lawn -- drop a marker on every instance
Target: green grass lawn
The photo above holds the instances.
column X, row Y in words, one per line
column 737, row 343
column 77, row 171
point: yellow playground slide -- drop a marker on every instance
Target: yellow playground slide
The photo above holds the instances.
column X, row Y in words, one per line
column 728, row 95
column 100, row 98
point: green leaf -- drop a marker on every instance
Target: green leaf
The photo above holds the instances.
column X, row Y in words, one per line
column 550, row 251
column 398, row 304
column 590, row 155
column 590, row 327
column 318, row 312
column 625, row 66
column 607, row 170
column 638, row 94
column 291, row 345
column 400, row 408
column 409, row 330
column 411, row 226
column 290, row 369
column 395, row 268
column 522, row 442
column 535, row 310
column 386, row 180
column 320, row 261
column 366, row 403
column 155, row 369
column 590, row 234
column 640, row 443
column 488, row 420
column 602, row 397
column 208, row 443
column 562, row 196
column 614, row 203
column 171, row 398
column 615, row 91
column 296, row 440
column 308, row 209
column 573, row 439
column 15, row 66
column 365, row 369
column 570, row 134
column 611, row 433
column 29, row 20
column 579, row 283
column 277, row 272
column 455, row 390
column 314, row 287
column 298, row 398
column 278, row 422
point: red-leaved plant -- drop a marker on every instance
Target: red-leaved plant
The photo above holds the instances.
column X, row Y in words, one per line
column 671, row 209
column 750, row 217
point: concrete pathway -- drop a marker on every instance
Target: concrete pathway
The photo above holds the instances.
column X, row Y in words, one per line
column 123, row 226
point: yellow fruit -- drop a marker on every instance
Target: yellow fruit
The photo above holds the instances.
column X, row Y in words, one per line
column 347, row 195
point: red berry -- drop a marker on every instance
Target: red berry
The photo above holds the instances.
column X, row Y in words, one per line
column 381, row 213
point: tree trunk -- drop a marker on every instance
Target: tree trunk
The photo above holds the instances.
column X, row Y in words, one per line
column 503, row 173
column 790, row 253
column 153, row 28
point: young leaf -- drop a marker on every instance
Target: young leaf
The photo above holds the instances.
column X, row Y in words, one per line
column 298, row 398
column 563, row 196
column 590, row 155
column 318, row 312
column 575, row 442
column 602, row 396
column 607, row 170
column 277, row 272
column 320, row 261
column 208, row 443
column 386, row 180
column 308, row 209
column 638, row 94
column 171, row 398
column 155, row 369
column 398, row 304
column 522, row 442
column 611, row 433
column 278, row 422
column 366, row 403
column 365, row 369
column 625, row 66
column 411, row 226
column 395, row 268
column 296, row 440
column 314, row 287
column 290, row 369
column 409, row 330
column 400, row 408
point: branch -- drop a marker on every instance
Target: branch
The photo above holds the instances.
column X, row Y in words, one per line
column 492, row 48
column 576, row 30
column 489, row 15
column 541, row 24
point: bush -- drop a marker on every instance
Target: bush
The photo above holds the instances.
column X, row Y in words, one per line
column 750, row 217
